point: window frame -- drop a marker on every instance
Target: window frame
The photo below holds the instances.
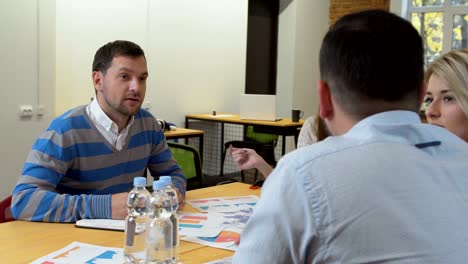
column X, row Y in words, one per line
column 448, row 10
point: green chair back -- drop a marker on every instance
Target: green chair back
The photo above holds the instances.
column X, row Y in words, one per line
column 189, row 160
column 260, row 137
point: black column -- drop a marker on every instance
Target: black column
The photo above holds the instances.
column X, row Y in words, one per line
column 262, row 47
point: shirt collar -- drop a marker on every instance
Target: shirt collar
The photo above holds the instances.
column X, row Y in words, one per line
column 102, row 119
column 400, row 117
column 99, row 116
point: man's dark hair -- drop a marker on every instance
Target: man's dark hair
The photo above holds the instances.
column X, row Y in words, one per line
column 373, row 62
column 104, row 55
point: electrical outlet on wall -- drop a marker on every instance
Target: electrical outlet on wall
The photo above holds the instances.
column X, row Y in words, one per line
column 40, row 110
column 26, row 111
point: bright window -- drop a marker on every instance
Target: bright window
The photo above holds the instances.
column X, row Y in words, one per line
column 443, row 25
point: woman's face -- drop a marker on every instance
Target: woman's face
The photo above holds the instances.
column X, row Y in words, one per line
column 443, row 109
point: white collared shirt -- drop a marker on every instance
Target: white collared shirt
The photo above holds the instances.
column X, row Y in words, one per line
column 106, row 126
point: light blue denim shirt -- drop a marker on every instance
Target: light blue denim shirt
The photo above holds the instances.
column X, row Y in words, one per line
column 391, row 190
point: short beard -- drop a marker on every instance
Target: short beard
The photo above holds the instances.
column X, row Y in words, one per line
column 121, row 109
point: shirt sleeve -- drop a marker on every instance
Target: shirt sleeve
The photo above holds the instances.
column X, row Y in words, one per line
column 281, row 229
column 35, row 197
column 307, row 135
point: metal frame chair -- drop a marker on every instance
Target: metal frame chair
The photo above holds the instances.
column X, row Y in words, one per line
column 189, row 160
column 263, row 143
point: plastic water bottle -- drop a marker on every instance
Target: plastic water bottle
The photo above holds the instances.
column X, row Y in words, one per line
column 135, row 222
column 167, row 180
column 159, row 238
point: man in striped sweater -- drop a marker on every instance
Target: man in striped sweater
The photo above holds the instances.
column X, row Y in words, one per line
column 83, row 165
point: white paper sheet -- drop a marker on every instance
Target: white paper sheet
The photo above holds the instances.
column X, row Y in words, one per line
column 80, row 253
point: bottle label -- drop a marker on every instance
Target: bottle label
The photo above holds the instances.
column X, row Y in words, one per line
column 131, row 226
column 175, row 230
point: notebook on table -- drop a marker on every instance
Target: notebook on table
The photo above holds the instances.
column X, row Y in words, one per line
column 107, row 224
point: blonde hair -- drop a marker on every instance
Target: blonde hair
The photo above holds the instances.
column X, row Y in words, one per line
column 453, row 67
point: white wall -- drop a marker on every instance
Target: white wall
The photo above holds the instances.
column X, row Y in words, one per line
column 197, row 56
column 26, row 74
column 312, row 24
column 399, row 7
column 286, row 66
column 302, row 26
column 82, row 27
column 195, row 51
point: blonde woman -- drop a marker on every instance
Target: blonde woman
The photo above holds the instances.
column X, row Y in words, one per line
column 447, row 93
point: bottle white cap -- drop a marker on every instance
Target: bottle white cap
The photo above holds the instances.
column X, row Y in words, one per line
column 139, row 181
column 166, row 179
column 158, row 185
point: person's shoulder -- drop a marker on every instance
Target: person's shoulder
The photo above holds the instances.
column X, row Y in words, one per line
column 145, row 116
column 77, row 111
column 310, row 120
column 145, row 121
column 449, row 142
column 71, row 119
column 309, row 153
column 309, row 126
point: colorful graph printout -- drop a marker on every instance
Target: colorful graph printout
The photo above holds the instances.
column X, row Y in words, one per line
column 223, row 204
column 229, row 213
column 81, row 253
column 231, row 223
column 196, row 224
column 227, row 239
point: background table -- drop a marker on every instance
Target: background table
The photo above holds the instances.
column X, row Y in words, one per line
column 186, row 133
column 24, row 242
column 283, row 127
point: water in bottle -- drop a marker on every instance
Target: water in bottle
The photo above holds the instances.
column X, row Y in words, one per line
column 159, row 248
column 174, row 217
column 135, row 222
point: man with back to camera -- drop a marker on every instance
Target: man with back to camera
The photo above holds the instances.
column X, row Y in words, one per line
column 83, row 165
column 385, row 188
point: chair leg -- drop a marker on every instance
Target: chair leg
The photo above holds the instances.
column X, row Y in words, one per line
column 223, row 157
column 200, row 182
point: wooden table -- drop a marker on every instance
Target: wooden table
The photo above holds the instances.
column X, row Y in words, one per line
column 186, row 133
column 24, row 242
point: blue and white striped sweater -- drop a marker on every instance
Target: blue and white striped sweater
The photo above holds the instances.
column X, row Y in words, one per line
column 72, row 170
